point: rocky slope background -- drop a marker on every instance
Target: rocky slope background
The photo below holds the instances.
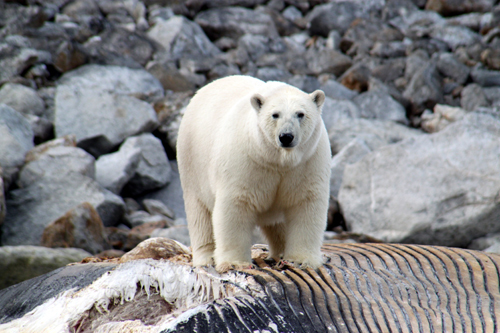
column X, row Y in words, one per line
column 92, row 94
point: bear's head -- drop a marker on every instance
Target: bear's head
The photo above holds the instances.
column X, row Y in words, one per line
column 288, row 116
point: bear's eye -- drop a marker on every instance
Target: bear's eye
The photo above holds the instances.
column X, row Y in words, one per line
column 300, row 115
column 276, row 115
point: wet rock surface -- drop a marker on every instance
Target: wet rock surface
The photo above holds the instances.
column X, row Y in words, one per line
column 92, row 94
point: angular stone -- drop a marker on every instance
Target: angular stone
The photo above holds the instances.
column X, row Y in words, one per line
column 388, row 49
column 178, row 233
column 450, row 198
column 114, row 170
column 81, row 227
column 16, row 139
column 182, row 38
column 153, row 170
column 357, row 77
column 324, row 60
column 424, row 89
column 157, row 207
column 100, row 105
column 351, row 153
column 57, row 162
column 141, row 217
column 335, row 90
column 38, row 151
column 491, row 58
column 455, row 36
column 473, row 97
column 455, row 7
column 19, row 263
column 3, row 208
column 442, row 116
column 32, row 208
column 171, row 195
column 15, row 60
column 334, row 16
column 374, row 132
column 449, row 66
column 380, row 105
column 335, row 109
column 22, row 99
column 234, row 22
column 119, row 47
column 484, row 77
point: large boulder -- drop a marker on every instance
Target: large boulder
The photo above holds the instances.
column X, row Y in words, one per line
column 81, row 227
column 32, row 208
column 435, row 189
column 103, row 105
column 16, row 139
column 152, row 170
column 19, row 263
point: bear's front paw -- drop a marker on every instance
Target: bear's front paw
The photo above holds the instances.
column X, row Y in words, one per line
column 226, row 266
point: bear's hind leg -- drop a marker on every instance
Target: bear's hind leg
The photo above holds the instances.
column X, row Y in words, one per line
column 200, row 232
column 275, row 235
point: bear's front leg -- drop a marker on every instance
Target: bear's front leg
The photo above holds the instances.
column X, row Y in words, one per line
column 233, row 224
column 304, row 234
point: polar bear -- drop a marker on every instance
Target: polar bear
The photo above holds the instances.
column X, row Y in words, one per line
column 253, row 153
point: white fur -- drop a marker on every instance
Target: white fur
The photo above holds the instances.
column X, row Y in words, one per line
column 235, row 173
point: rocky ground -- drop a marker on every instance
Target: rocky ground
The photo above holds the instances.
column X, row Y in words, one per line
column 92, row 94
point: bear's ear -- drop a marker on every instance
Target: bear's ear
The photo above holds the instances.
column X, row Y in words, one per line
column 257, row 101
column 318, row 98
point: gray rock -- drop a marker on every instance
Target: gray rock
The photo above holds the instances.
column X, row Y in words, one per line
column 43, row 129
column 101, row 105
column 324, row 60
column 273, row 74
column 16, row 138
column 335, row 90
column 495, row 248
column 3, row 208
column 119, row 47
column 378, row 104
column 22, row 99
column 81, row 227
column 171, row 195
column 32, row 208
column 493, row 95
column 57, row 162
column 305, row 83
column 424, row 89
column 141, row 217
column 450, row 7
column 234, row 22
column 484, row 77
column 182, row 38
column 179, row 233
column 351, row 153
column 389, row 49
column 19, row 263
column 157, row 207
column 429, row 190
column 335, row 109
column 449, row 66
column 114, row 170
column 473, row 97
column 16, row 60
column 173, row 78
column 334, row 16
column 375, row 133
column 153, row 170
column 292, row 13
column 455, row 36
column 483, row 243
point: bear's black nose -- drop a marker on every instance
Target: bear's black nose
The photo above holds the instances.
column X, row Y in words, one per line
column 286, row 139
